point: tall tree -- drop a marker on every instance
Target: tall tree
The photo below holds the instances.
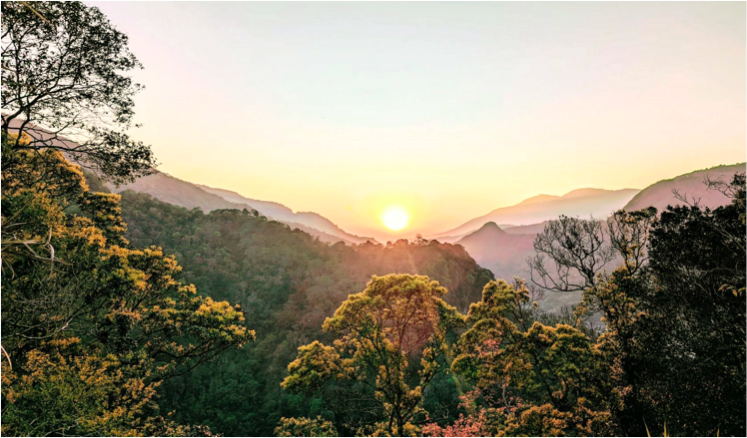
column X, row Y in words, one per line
column 396, row 320
column 674, row 313
column 535, row 380
column 66, row 83
column 576, row 250
column 697, row 311
column 90, row 326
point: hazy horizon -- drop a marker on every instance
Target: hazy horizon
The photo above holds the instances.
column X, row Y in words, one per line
column 447, row 110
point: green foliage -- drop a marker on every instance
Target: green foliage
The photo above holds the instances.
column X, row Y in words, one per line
column 686, row 306
column 679, row 293
column 378, row 332
column 91, row 326
column 315, row 365
column 74, row 392
column 66, row 73
column 536, row 380
column 305, row 427
column 288, row 282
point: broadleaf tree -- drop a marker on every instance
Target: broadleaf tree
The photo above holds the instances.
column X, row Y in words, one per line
column 393, row 338
column 67, row 84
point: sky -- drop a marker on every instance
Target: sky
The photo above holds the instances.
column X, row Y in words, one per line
column 447, row 110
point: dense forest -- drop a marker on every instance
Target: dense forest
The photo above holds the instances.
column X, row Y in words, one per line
column 287, row 283
column 124, row 315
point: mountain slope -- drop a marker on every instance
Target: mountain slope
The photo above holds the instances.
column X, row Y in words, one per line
column 274, row 210
column 527, row 229
column 582, row 203
column 503, row 253
column 281, row 213
column 174, row 191
column 660, row 194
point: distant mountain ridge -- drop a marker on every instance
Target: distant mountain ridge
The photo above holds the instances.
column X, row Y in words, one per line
column 267, row 208
column 504, row 249
column 280, row 212
column 691, row 184
column 581, row 202
column 171, row 190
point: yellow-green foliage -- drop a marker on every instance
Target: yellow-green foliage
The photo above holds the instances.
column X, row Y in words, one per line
column 305, row 427
column 544, row 378
column 296, row 282
column 91, row 326
column 396, row 319
column 88, row 395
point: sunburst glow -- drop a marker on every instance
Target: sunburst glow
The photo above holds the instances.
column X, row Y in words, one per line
column 395, row 218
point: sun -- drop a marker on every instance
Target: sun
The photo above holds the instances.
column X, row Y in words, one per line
column 395, row 218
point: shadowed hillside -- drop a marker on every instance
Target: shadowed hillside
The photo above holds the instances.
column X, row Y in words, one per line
column 174, row 191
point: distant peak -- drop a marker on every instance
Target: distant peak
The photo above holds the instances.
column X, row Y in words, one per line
column 490, row 230
column 490, row 227
column 491, row 224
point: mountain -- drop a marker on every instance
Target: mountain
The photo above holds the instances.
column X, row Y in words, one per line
column 582, row 202
column 539, row 198
column 166, row 188
column 503, row 253
column 274, row 210
column 526, row 229
column 281, row 213
column 174, row 191
column 660, row 194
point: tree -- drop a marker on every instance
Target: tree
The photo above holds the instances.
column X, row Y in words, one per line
column 536, row 380
column 675, row 318
column 732, row 190
column 65, row 84
column 629, row 235
column 395, row 320
column 577, row 249
column 305, row 427
column 697, row 311
column 90, row 326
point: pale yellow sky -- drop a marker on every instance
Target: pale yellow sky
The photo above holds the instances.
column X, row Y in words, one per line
column 449, row 110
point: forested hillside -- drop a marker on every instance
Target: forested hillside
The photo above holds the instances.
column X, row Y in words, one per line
column 288, row 283
column 185, row 194
column 126, row 316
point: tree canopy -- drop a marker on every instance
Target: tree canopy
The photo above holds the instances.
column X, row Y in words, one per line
column 66, row 84
column 289, row 283
column 112, row 304
column 396, row 320
column 91, row 327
